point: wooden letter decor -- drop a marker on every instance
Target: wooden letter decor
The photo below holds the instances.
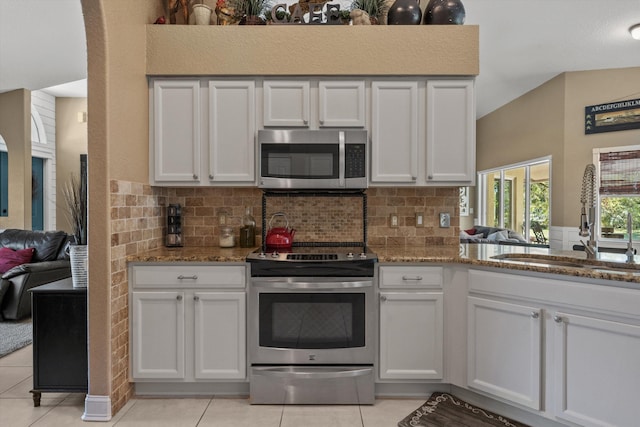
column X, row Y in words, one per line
column 316, row 15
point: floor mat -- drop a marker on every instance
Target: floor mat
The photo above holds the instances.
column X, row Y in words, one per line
column 443, row 409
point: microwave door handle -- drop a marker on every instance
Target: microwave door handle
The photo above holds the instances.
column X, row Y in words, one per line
column 341, row 161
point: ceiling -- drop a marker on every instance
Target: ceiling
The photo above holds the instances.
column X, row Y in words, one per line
column 523, row 43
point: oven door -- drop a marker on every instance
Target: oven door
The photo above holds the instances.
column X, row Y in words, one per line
column 307, row 320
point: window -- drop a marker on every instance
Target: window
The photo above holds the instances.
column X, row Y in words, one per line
column 517, row 197
column 618, row 191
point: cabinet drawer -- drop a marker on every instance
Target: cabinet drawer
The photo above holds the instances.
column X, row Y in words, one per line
column 410, row 277
column 189, row 276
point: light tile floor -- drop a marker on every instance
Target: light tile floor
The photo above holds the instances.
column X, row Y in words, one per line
column 65, row 409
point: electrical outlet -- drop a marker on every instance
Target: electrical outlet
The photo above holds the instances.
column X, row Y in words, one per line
column 393, row 221
column 445, row 220
column 419, row 219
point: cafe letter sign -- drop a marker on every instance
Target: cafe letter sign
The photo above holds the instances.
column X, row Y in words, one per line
column 613, row 116
column 332, row 14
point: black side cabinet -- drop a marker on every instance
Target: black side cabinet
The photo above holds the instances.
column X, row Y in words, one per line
column 59, row 313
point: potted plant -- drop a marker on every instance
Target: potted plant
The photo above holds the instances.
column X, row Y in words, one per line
column 75, row 198
column 374, row 8
column 250, row 12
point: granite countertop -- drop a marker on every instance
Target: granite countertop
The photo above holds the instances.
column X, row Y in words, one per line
column 559, row 262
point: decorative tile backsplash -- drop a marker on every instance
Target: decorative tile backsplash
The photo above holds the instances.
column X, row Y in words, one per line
column 322, row 219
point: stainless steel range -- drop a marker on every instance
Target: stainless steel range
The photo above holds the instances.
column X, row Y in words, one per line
column 312, row 326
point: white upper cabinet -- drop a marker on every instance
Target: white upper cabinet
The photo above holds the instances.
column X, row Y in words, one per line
column 394, row 132
column 203, row 136
column 175, row 131
column 450, row 128
column 232, row 131
column 423, row 132
column 286, row 103
column 341, row 103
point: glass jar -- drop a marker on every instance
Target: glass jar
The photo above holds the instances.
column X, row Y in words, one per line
column 227, row 238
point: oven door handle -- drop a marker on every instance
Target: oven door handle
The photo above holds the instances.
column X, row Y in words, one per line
column 300, row 373
column 312, row 285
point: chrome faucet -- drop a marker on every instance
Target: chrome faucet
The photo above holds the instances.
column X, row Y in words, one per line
column 630, row 252
column 588, row 213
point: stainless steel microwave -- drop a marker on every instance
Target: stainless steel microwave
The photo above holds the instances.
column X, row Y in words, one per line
column 312, row 159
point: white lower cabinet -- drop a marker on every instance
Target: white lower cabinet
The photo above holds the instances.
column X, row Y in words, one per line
column 504, row 348
column 158, row 334
column 190, row 325
column 597, row 375
column 411, row 323
column 567, row 349
column 219, row 335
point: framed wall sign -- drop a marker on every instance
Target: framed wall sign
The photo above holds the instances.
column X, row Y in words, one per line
column 613, row 116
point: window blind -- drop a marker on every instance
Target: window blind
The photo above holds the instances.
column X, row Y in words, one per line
column 620, row 172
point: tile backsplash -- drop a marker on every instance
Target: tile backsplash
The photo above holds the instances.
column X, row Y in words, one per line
column 322, row 218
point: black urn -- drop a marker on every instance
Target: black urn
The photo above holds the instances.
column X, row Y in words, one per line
column 404, row 12
column 444, row 12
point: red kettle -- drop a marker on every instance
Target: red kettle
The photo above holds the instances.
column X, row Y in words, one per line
column 280, row 237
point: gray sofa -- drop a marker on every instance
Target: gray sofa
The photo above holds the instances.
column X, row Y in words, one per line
column 495, row 235
column 50, row 262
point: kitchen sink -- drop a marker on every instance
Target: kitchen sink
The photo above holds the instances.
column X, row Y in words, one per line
column 538, row 260
column 546, row 260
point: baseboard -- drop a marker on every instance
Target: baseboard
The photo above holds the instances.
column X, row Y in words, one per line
column 97, row 408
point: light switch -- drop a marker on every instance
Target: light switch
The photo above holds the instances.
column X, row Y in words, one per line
column 393, row 221
column 419, row 219
column 445, row 220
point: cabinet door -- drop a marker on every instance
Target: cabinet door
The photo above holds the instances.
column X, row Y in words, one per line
column 220, row 335
column 404, row 356
column 286, row 103
column 158, row 334
column 232, row 131
column 341, row 103
column 176, row 131
column 451, row 124
column 394, row 132
column 597, row 371
column 504, row 350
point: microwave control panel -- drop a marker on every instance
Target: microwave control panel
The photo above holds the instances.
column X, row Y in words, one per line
column 355, row 161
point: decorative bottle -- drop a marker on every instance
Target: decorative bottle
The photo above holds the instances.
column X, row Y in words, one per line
column 248, row 230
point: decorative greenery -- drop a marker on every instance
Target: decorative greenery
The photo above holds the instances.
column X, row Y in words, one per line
column 249, row 7
column 75, row 197
column 375, row 8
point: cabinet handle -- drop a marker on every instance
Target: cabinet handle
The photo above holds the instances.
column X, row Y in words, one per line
column 535, row 314
column 196, row 298
column 383, row 298
column 414, row 178
column 195, row 176
column 305, row 121
column 210, row 176
column 416, row 278
column 558, row 319
column 179, row 297
column 194, row 277
column 321, row 121
column 430, row 177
